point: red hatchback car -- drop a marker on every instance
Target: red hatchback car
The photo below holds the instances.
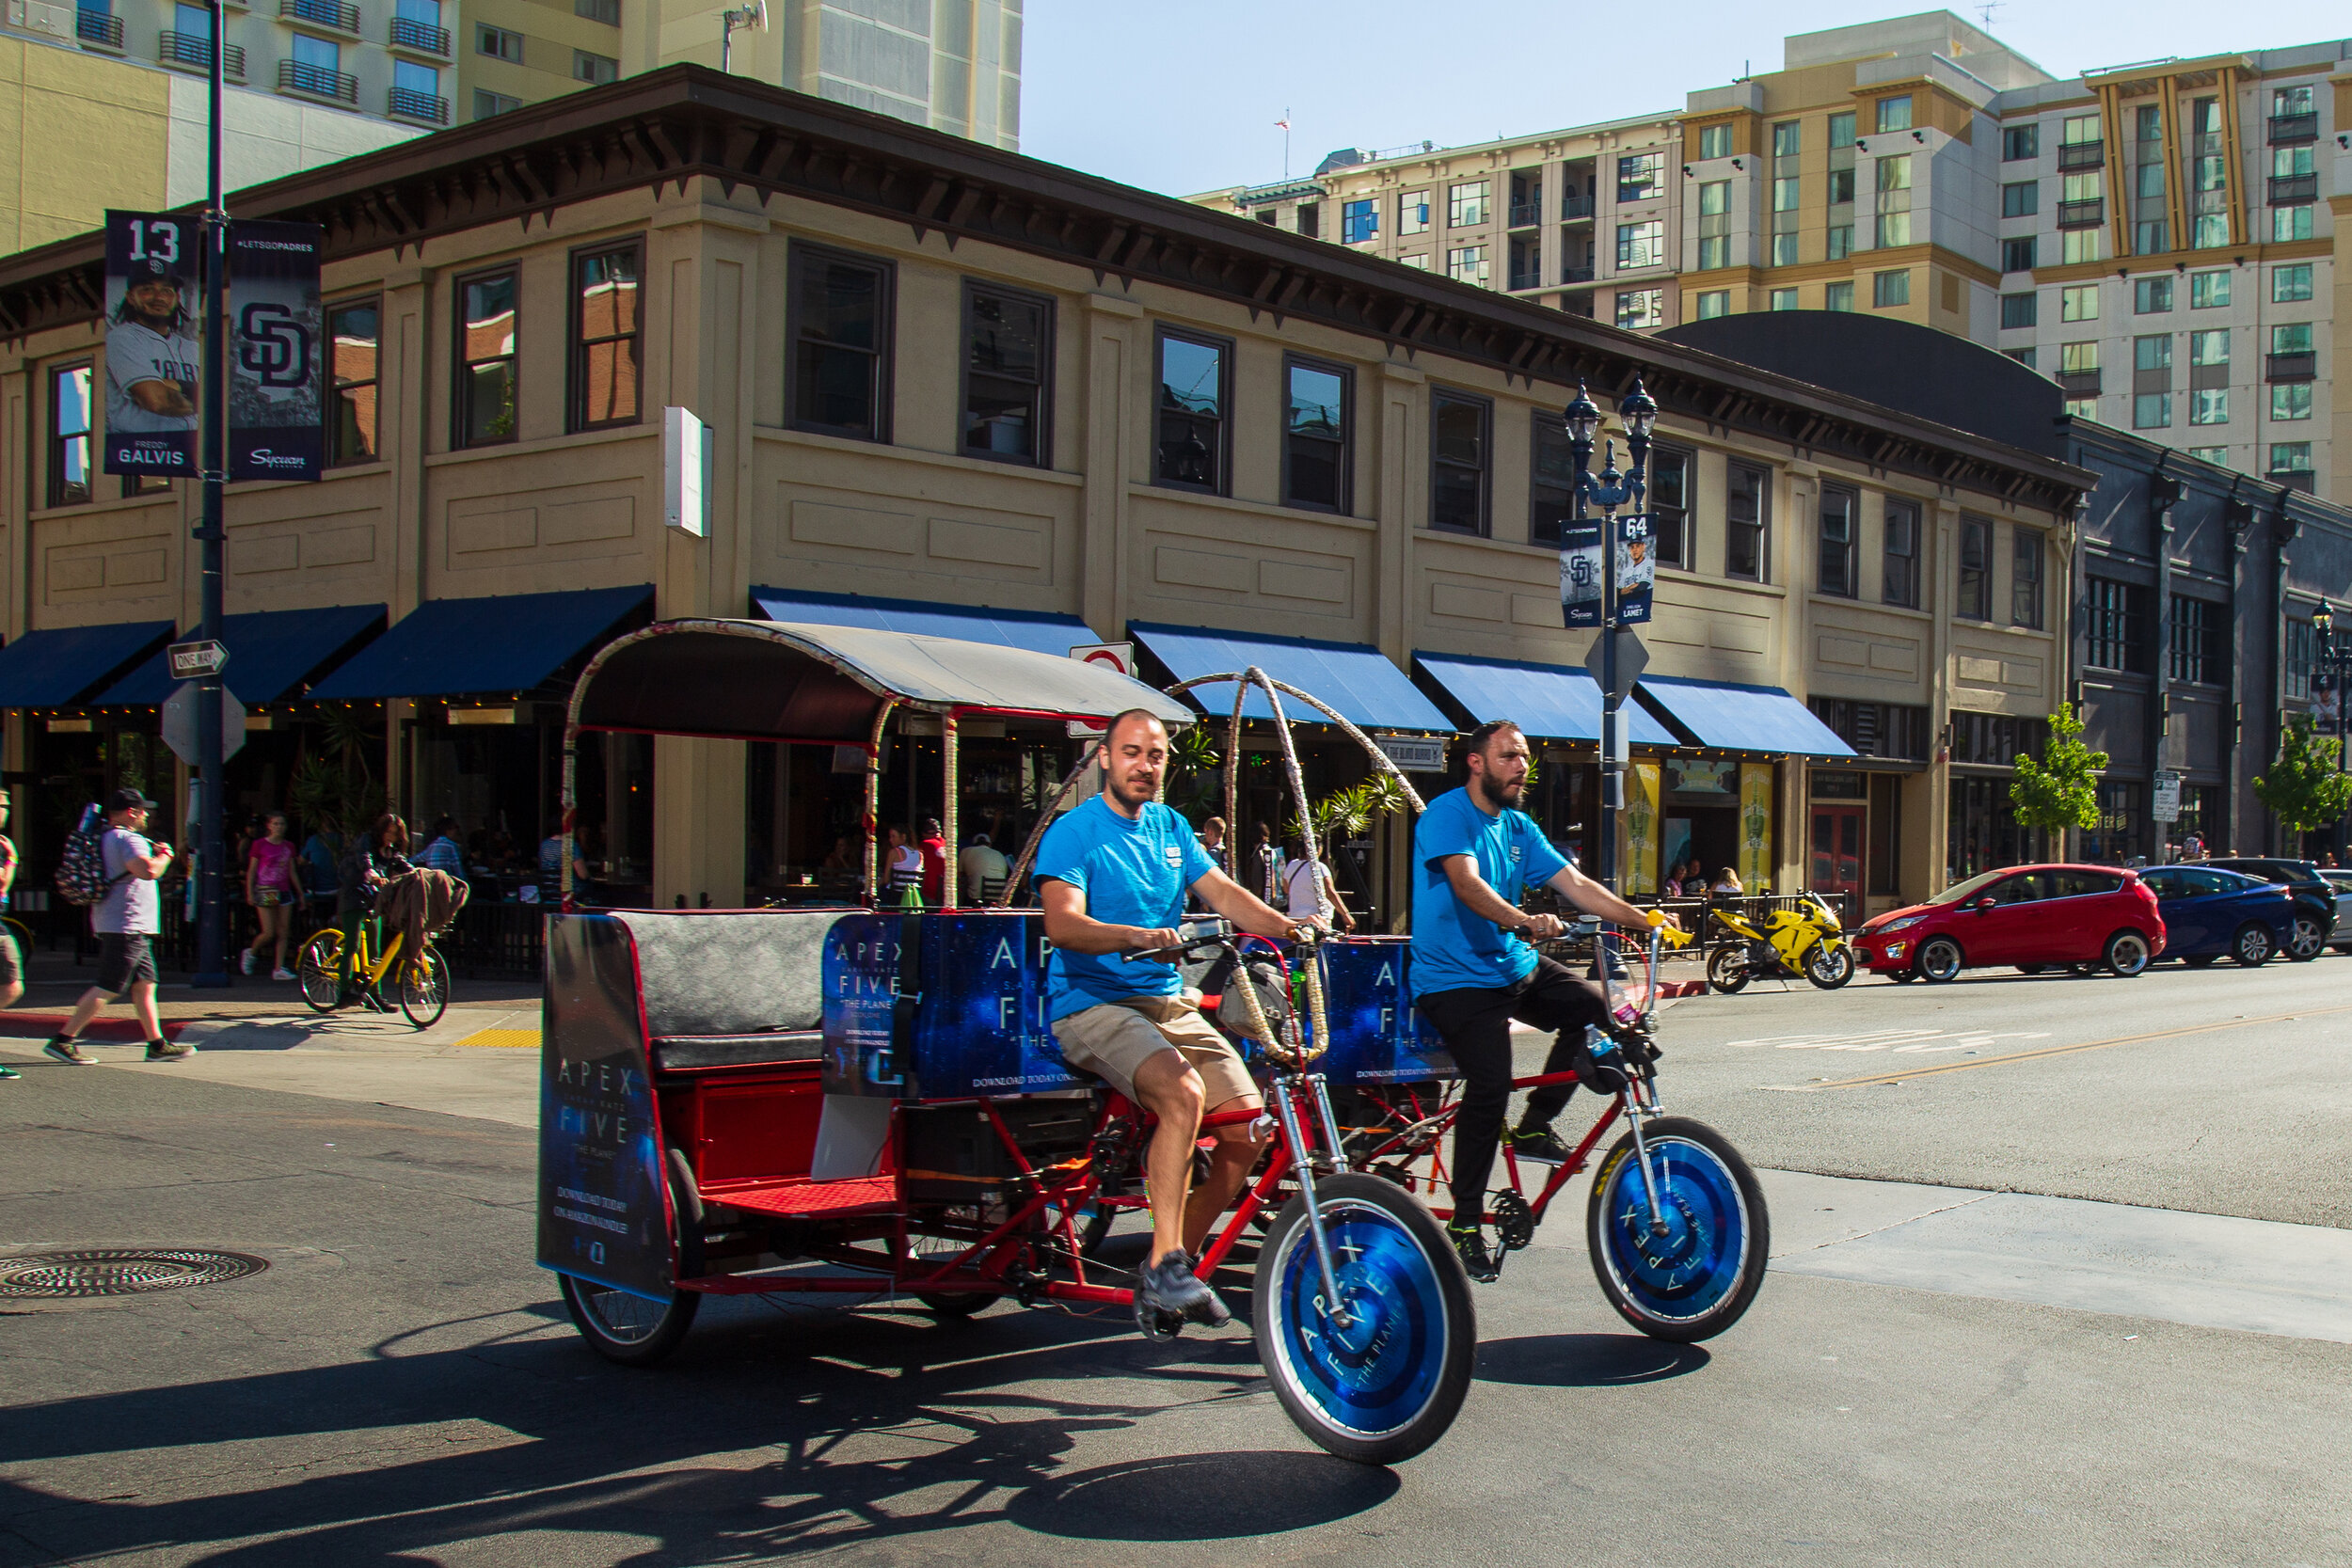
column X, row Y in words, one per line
column 2032, row 916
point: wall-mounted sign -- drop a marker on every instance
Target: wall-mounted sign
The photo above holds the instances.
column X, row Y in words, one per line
column 1413, row 753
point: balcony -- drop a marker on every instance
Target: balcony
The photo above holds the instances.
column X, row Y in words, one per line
column 2287, row 129
column 1527, row 215
column 1576, row 275
column 2297, row 479
column 1529, row 279
column 420, row 39
column 2289, row 190
column 1573, row 205
column 2291, row 367
column 331, row 14
column 403, row 104
column 2082, row 154
column 2082, row 215
column 98, row 27
column 2079, row 383
column 318, row 82
column 192, row 52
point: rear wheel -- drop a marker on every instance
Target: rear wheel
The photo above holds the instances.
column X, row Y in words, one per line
column 1939, row 959
column 1728, row 968
column 1692, row 1280
column 425, row 991
column 2127, row 954
column 635, row 1331
column 315, row 968
column 1831, row 966
column 1387, row 1383
column 2307, row 940
column 2253, row 946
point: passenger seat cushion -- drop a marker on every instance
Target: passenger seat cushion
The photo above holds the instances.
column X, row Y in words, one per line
column 735, row 973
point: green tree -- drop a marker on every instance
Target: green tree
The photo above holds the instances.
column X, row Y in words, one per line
column 2305, row 787
column 2062, row 791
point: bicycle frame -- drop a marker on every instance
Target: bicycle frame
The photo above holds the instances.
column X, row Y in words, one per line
column 375, row 967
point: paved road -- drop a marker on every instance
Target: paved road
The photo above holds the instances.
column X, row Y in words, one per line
column 399, row 1387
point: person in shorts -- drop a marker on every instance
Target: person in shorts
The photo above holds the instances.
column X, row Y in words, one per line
column 274, row 891
column 11, row 961
column 126, row 920
column 1112, row 876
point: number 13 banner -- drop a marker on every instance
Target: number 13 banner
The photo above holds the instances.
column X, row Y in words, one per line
column 275, row 406
column 151, row 302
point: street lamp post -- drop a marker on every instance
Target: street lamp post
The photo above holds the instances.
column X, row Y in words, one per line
column 1609, row 490
column 2335, row 654
column 212, row 915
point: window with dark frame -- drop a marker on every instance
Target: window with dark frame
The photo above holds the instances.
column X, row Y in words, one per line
column 2024, row 578
column 1316, row 419
column 1008, row 366
column 1672, row 541
column 1974, row 599
column 2193, row 641
column 608, row 324
column 354, row 341
column 1746, row 516
column 485, row 394
column 1195, row 402
column 1551, row 479
column 838, row 329
column 1838, row 510
column 69, row 436
column 2115, row 626
column 1899, row 570
column 2297, row 660
column 1461, row 452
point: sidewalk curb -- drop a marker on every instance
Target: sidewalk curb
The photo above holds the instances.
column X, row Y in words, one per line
column 126, row 1031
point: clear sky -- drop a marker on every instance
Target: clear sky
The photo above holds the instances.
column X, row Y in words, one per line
column 1180, row 96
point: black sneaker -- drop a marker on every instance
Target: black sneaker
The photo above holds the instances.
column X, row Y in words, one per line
column 1477, row 1261
column 69, row 1051
column 1170, row 1286
column 1538, row 1143
column 170, row 1051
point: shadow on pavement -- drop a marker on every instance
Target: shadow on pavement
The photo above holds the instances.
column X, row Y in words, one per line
column 875, row 1427
column 1586, row 1360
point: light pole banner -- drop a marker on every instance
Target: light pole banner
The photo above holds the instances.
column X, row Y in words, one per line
column 1756, row 825
column 1580, row 574
column 275, row 425
column 151, row 303
column 1636, row 571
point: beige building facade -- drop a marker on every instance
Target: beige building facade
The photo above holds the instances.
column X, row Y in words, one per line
column 1000, row 389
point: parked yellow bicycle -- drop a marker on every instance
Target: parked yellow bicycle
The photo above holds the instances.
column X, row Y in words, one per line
column 424, row 989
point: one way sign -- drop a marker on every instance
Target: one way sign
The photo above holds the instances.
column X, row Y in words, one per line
column 194, row 660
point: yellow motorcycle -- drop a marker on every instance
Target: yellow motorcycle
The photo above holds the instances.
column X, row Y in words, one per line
column 1807, row 940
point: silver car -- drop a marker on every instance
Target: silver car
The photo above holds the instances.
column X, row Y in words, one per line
column 2341, row 883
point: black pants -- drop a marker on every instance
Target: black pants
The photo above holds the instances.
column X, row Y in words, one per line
column 1475, row 1024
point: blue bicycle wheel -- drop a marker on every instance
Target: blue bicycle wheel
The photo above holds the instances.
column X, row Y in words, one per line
column 1693, row 1278
column 1387, row 1383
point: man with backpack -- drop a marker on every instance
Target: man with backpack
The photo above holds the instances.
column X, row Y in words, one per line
column 116, row 876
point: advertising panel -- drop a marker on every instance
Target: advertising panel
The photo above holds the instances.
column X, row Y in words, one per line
column 151, row 305
column 275, row 429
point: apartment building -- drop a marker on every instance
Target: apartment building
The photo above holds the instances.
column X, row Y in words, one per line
column 949, row 383
column 105, row 103
column 953, row 65
column 2160, row 238
column 1587, row 221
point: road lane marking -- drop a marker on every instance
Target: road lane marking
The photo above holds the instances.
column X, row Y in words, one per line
column 1899, row 1041
column 1939, row 1067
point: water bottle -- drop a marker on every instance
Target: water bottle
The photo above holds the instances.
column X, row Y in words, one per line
column 1603, row 1047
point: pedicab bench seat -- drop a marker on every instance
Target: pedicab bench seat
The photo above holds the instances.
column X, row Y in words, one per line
column 730, row 988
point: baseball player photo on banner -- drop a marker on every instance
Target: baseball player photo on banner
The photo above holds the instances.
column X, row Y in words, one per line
column 151, row 303
column 1637, row 573
column 275, row 431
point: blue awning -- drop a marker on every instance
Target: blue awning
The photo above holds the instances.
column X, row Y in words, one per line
column 271, row 653
column 1548, row 702
column 506, row 642
column 1742, row 717
column 60, row 668
column 1356, row 678
column 1040, row 631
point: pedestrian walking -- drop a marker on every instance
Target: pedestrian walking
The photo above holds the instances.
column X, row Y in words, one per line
column 11, row 961
column 126, row 920
column 1308, row 891
column 274, row 891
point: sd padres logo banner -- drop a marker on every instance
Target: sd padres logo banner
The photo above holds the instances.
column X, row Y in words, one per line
column 152, row 302
column 275, row 415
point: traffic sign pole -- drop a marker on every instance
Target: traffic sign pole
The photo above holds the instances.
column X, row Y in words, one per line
column 211, row 922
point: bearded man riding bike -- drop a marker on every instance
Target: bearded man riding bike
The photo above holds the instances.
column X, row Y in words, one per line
column 1474, row 852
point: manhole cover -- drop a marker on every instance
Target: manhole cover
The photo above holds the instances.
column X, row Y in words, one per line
column 118, row 1271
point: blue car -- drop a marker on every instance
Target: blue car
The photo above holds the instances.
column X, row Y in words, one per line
column 2209, row 914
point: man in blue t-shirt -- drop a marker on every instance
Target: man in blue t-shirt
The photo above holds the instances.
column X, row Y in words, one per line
column 1474, row 852
column 1112, row 876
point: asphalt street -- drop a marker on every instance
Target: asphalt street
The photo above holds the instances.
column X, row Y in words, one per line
column 1912, row 1387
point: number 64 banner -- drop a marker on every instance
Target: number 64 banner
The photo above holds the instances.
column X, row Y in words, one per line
column 154, row 305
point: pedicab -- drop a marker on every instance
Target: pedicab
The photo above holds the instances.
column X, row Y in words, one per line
column 861, row 1102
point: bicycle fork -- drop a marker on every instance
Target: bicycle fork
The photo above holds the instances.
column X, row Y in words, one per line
column 1305, row 1161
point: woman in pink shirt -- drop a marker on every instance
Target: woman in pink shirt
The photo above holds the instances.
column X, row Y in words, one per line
column 272, row 889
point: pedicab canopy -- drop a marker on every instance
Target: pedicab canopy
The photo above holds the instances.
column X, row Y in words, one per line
column 768, row 680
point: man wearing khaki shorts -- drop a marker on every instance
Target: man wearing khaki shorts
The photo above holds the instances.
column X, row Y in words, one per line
column 1112, row 876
